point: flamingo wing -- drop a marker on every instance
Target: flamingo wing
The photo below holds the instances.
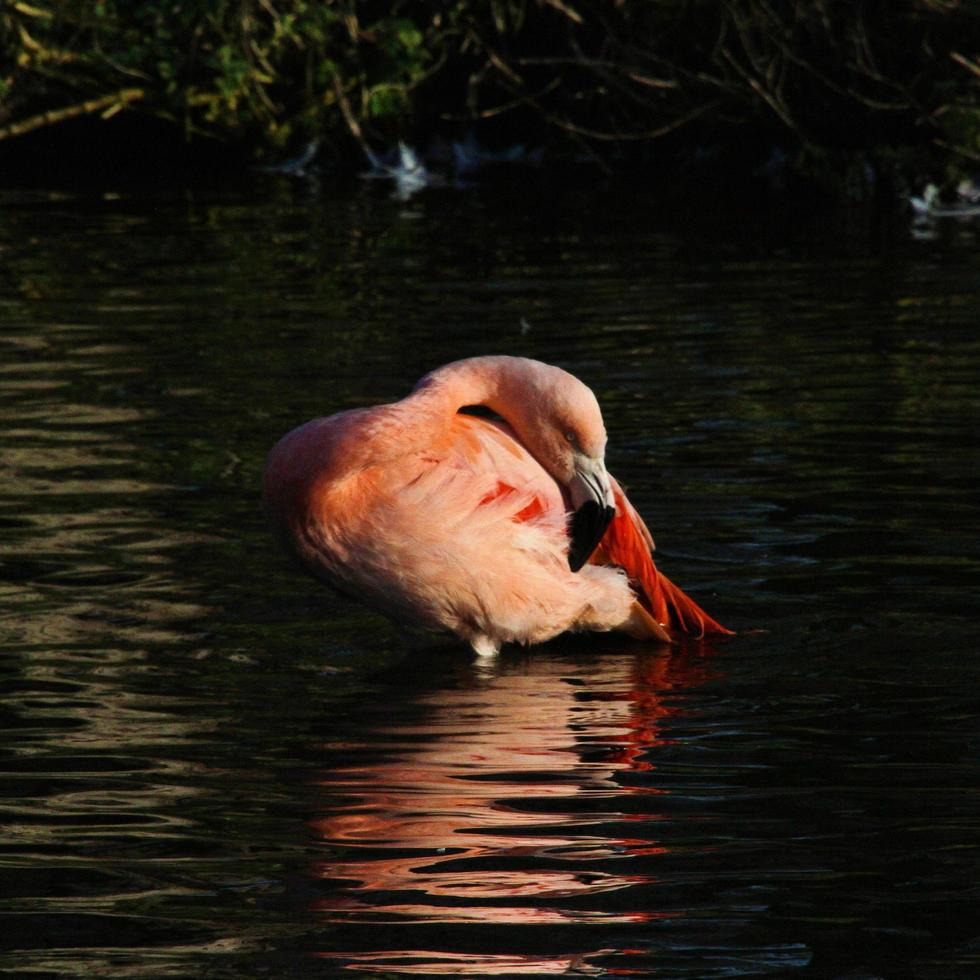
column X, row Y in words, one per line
column 627, row 543
column 484, row 448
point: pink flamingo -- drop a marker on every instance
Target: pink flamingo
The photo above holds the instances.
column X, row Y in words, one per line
column 498, row 530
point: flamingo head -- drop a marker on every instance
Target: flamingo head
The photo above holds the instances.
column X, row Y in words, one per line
column 562, row 426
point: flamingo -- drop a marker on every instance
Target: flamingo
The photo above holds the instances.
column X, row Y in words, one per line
column 501, row 529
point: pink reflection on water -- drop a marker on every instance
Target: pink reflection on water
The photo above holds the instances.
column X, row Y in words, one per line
column 431, row 962
column 503, row 804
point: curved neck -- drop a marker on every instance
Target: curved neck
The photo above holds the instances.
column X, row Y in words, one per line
column 476, row 381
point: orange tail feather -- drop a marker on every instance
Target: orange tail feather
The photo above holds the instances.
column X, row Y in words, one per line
column 627, row 543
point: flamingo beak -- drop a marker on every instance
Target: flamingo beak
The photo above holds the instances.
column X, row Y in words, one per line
column 593, row 508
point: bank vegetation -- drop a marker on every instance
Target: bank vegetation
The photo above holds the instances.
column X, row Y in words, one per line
column 608, row 80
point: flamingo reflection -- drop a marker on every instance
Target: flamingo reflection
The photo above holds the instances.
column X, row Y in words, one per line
column 505, row 801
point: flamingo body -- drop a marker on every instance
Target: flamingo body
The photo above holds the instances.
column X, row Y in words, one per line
column 460, row 523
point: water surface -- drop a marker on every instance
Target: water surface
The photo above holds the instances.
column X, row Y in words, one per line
column 211, row 767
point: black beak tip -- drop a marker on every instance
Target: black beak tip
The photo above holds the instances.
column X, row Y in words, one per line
column 589, row 524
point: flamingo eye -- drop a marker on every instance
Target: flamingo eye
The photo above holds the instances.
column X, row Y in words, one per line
column 571, row 439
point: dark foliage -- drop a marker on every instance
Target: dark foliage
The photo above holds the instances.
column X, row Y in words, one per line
column 597, row 76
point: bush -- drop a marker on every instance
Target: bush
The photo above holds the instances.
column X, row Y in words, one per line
column 599, row 75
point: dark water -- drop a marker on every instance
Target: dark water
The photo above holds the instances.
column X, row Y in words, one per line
column 212, row 768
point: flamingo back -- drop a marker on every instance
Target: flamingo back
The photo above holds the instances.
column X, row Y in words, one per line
column 468, row 534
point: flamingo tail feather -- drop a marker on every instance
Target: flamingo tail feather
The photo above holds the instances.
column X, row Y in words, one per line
column 627, row 544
